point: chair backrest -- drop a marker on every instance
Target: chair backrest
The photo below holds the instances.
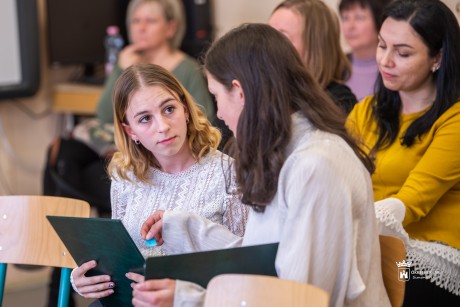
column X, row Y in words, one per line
column 392, row 250
column 26, row 236
column 262, row 291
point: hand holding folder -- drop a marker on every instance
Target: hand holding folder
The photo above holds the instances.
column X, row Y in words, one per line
column 108, row 242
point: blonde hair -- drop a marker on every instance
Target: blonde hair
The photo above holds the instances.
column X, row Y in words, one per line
column 323, row 55
column 202, row 137
column 173, row 10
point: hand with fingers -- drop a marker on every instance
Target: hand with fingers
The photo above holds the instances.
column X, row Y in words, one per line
column 93, row 286
column 130, row 55
column 154, row 293
column 153, row 226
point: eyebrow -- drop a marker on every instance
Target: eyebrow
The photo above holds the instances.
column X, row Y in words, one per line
column 397, row 45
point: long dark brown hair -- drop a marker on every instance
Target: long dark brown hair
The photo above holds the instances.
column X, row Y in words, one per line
column 275, row 84
column 438, row 28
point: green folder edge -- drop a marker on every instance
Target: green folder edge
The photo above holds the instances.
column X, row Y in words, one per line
column 108, row 242
column 201, row 267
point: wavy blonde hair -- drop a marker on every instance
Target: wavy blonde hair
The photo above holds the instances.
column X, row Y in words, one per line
column 202, row 137
column 323, row 55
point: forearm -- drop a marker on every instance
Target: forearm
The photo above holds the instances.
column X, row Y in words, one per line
column 185, row 232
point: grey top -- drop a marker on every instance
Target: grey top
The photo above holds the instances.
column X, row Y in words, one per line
column 200, row 189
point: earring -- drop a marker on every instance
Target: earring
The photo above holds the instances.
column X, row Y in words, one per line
column 137, row 142
column 435, row 68
column 187, row 120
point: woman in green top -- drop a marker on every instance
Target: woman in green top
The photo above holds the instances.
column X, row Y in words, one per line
column 156, row 29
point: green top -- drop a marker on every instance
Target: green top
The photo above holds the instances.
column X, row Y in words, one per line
column 187, row 72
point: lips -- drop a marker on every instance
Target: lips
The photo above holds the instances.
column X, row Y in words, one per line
column 386, row 75
column 167, row 141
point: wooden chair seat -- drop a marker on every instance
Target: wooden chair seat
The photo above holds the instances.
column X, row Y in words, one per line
column 262, row 291
column 26, row 236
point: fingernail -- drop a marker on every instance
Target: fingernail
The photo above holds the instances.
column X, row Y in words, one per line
column 149, row 235
column 111, row 285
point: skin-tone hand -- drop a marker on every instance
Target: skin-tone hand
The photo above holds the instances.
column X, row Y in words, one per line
column 94, row 286
column 129, row 55
column 152, row 227
column 154, row 292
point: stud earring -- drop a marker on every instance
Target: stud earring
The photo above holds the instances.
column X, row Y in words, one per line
column 137, row 142
column 435, row 68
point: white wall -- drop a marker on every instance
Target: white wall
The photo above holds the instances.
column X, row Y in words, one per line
column 229, row 14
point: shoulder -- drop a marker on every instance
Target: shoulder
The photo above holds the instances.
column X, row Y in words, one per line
column 449, row 120
column 452, row 112
column 215, row 159
column 324, row 153
column 188, row 64
column 325, row 166
column 362, row 111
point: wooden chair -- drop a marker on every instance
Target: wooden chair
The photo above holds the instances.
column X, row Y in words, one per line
column 261, row 291
column 392, row 250
column 26, row 236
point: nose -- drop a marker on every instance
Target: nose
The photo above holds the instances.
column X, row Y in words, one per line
column 385, row 57
column 163, row 125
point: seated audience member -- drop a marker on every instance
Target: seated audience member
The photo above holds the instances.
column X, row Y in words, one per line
column 412, row 129
column 360, row 20
column 314, row 30
column 289, row 137
column 156, row 29
column 167, row 160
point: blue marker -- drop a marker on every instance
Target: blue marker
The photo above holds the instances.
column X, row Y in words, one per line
column 151, row 243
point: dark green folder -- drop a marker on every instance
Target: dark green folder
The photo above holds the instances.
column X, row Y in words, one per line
column 202, row 266
column 108, row 242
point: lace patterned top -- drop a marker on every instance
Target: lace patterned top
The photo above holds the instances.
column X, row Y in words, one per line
column 200, row 189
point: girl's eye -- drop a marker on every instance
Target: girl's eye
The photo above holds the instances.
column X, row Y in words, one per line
column 144, row 119
column 381, row 46
column 169, row 109
column 403, row 55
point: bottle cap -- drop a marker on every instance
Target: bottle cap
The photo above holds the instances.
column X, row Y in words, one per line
column 112, row 30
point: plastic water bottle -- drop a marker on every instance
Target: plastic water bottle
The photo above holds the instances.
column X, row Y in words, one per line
column 113, row 44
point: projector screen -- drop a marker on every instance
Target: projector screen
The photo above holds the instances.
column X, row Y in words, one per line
column 19, row 53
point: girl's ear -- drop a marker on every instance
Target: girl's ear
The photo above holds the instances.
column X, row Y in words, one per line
column 236, row 86
column 129, row 131
column 187, row 113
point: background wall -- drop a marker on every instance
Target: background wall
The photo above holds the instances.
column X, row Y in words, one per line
column 28, row 126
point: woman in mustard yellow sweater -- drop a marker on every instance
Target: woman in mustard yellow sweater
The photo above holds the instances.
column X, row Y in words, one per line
column 412, row 129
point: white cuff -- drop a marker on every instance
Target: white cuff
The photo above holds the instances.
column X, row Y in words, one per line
column 73, row 284
column 390, row 213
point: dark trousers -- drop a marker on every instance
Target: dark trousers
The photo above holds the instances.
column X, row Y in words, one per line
column 422, row 292
column 75, row 170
